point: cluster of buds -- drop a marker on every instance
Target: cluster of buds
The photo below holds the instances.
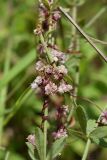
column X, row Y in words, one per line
column 50, row 80
column 47, row 18
column 103, row 118
column 60, row 133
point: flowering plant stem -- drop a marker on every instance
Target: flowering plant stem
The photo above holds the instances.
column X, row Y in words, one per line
column 46, row 49
column 86, row 149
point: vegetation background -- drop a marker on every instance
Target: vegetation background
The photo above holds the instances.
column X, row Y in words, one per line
column 19, row 108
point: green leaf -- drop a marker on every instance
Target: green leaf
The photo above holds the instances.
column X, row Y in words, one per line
column 75, row 133
column 82, row 118
column 19, row 67
column 99, row 136
column 101, row 141
column 24, row 96
column 99, row 132
column 40, row 143
column 91, row 126
column 31, row 151
column 56, row 148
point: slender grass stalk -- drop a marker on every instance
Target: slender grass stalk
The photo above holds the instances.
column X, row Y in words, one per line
column 7, row 155
column 18, row 68
column 86, row 149
column 3, row 92
column 24, row 96
column 93, row 20
column 84, row 34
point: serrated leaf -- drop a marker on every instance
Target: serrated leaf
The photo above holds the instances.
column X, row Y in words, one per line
column 56, row 148
column 82, row 118
column 99, row 136
column 101, row 141
column 91, row 126
column 99, row 132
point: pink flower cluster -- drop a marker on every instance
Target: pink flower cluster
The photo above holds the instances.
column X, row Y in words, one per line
column 60, row 133
column 50, row 80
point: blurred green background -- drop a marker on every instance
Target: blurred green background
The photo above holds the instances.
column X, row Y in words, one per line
column 18, row 19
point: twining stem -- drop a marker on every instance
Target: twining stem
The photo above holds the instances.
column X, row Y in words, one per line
column 45, row 134
column 86, row 149
column 84, row 34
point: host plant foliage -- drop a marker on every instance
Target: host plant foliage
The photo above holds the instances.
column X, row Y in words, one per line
column 54, row 85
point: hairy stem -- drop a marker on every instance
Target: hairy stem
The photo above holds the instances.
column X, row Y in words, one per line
column 86, row 150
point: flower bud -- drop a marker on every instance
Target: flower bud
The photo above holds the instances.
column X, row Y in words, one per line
column 60, row 133
column 31, row 139
column 56, row 15
column 103, row 118
column 50, row 88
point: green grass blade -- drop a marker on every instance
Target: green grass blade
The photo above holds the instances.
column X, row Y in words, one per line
column 19, row 67
column 18, row 104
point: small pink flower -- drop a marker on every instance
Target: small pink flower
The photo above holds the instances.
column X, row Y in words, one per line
column 62, row 111
column 31, row 139
column 60, row 133
column 64, row 87
column 59, row 72
column 40, row 66
column 65, row 109
column 40, row 49
column 34, row 85
column 56, row 15
column 103, row 118
column 38, row 31
column 50, row 88
column 62, row 69
column 38, row 80
column 48, row 69
column 58, row 56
